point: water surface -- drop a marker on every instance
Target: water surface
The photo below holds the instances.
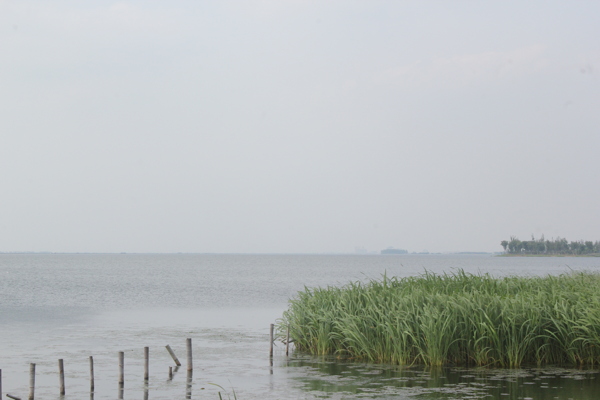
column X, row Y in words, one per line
column 71, row 306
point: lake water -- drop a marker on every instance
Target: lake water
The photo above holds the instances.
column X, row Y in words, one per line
column 72, row 306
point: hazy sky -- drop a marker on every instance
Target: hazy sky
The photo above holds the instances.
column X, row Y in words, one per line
column 297, row 126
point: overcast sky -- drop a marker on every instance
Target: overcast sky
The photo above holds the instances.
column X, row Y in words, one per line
column 297, row 126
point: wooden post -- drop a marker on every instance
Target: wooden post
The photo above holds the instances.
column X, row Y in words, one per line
column 287, row 342
column 61, row 376
column 173, row 356
column 271, row 340
column 31, row 381
column 189, row 354
column 121, row 368
column 146, row 363
column 91, row 374
column 170, row 373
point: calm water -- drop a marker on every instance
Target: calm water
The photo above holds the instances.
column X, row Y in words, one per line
column 71, row 306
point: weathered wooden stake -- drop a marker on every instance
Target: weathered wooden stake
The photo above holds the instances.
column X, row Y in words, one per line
column 61, row 376
column 173, row 356
column 287, row 342
column 146, row 363
column 121, row 368
column 91, row 374
column 189, row 354
column 31, row 381
column 271, row 340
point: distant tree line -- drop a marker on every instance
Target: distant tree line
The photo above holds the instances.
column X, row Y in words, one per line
column 554, row 246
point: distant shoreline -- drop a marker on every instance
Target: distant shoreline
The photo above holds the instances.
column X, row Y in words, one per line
column 550, row 255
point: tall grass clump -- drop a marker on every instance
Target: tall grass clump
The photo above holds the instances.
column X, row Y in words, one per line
column 459, row 319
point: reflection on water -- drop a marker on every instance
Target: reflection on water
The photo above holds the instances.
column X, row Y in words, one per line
column 330, row 378
column 73, row 306
column 188, row 384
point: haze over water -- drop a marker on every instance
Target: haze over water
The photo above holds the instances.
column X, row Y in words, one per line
column 269, row 126
column 72, row 306
column 261, row 126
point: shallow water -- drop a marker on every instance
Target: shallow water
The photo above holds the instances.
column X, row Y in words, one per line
column 72, row 306
column 328, row 378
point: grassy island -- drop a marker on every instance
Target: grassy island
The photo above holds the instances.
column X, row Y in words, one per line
column 455, row 319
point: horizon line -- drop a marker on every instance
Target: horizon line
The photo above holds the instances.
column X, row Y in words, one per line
column 248, row 253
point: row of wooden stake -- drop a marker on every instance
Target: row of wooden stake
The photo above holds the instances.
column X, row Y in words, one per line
column 61, row 371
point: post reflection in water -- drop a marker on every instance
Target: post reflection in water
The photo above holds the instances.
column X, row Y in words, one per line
column 188, row 385
column 146, row 391
column 121, row 390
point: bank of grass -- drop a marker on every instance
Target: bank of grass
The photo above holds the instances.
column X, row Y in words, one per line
column 455, row 319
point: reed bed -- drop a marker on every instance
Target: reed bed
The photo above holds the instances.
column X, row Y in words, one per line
column 452, row 319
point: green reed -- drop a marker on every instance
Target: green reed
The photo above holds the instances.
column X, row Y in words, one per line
column 459, row 319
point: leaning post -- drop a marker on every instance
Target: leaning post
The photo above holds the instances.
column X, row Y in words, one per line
column 173, row 356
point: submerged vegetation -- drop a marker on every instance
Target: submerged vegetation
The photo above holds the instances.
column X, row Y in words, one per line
column 458, row 319
column 542, row 246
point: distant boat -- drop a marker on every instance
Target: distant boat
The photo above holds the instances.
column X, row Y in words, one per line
column 394, row 251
